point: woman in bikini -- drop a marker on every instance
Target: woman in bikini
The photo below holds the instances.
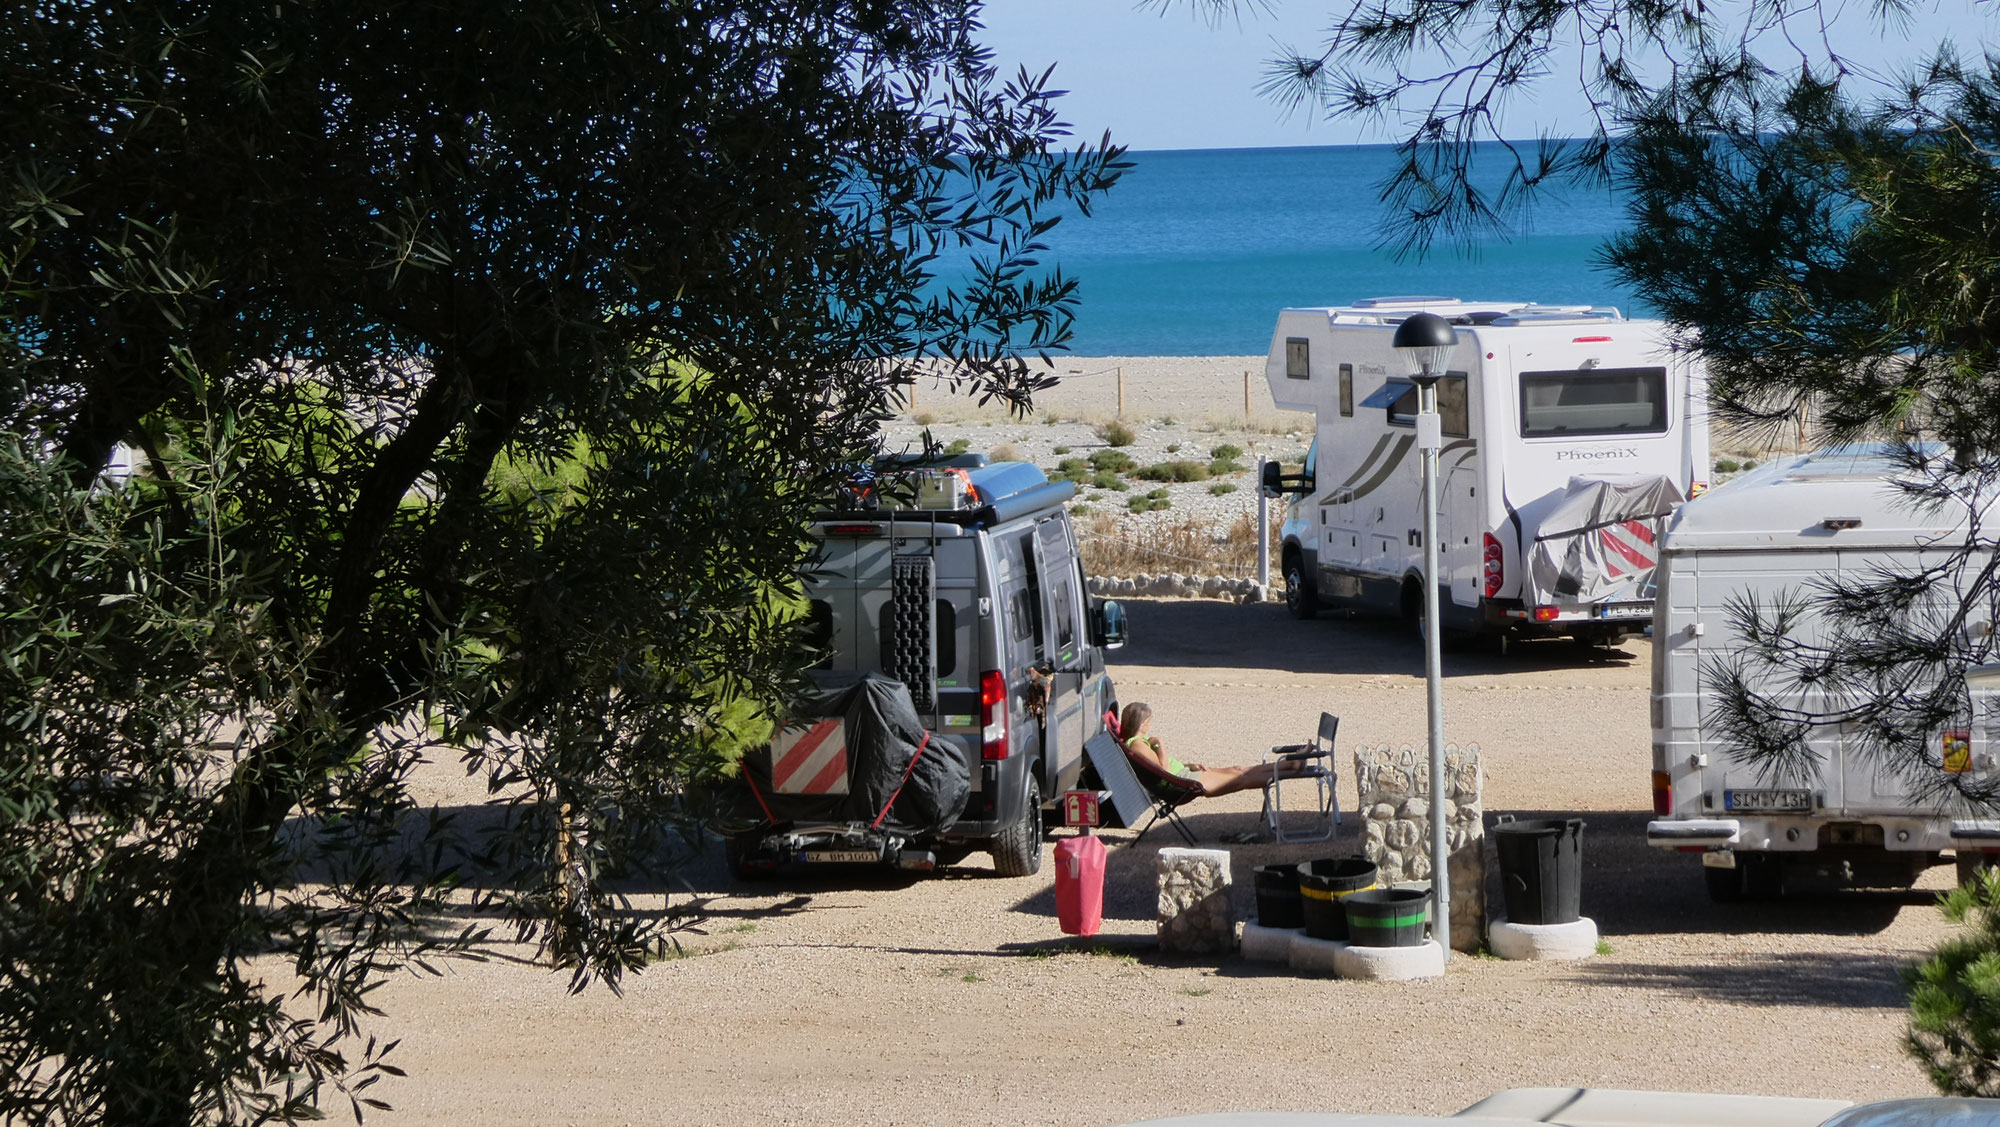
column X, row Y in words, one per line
column 1134, row 725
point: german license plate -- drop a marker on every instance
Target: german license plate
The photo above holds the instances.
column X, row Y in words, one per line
column 1625, row 610
column 1768, row 799
column 817, row 856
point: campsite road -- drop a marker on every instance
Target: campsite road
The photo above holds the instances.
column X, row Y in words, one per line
column 844, row 997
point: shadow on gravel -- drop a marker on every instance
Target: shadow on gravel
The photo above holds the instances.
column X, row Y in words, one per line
column 1818, row 979
column 1211, row 634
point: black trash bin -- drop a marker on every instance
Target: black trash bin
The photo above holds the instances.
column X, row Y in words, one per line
column 1278, row 902
column 1541, row 869
column 1322, row 885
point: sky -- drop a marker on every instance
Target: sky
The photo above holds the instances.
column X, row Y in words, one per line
column 1170, row 80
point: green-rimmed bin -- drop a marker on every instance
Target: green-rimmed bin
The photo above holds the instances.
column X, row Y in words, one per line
column 1387, row 917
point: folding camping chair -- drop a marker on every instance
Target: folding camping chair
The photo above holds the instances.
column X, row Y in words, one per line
column 1319, row 771
column 1125, row 773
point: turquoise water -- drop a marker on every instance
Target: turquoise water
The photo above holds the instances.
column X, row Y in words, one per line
column 1195, row 251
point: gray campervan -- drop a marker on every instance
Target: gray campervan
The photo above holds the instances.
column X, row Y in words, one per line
column 963, row 671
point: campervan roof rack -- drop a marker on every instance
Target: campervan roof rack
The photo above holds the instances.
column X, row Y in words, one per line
column 994, row 492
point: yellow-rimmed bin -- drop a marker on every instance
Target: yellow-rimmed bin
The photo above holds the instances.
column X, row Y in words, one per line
column 1323, row 885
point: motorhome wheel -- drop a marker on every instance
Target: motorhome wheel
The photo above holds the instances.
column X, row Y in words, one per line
column 1300, row 598
column 1972, row 864
column 1017, row 851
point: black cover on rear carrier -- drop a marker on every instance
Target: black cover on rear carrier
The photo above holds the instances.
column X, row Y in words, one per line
column 884, row 735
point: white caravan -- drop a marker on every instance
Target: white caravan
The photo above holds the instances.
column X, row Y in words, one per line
column 1767, row 535
column 1569, row 433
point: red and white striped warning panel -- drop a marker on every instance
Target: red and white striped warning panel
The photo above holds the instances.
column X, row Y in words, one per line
column 1628, row 547
column 811, row 760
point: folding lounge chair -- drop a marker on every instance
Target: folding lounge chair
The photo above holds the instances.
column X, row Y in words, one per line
column 1166, row 791
column 1319, row 771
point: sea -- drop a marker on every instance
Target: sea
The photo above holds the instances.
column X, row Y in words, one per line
column 1194, row 251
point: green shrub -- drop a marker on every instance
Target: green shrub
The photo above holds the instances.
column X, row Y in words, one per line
column 1173, row 447
column 1060, row 451
column 958, row 446
column 1177, row 470
column 1224, row 466
column 1220, row 488
column 1070, row 469
column 1138, row 504
column 1105, row 479
column 1117, row 461
column 1749, row 464
column 1226, row 450
column 1727, row 465
column 1079, row 510
column 1159, row 503
column 1115, row 433
column 1156, row 495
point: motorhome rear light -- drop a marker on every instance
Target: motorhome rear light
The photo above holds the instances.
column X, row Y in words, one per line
column 854, row 530
column 1663, row 793
column 1496, row 565
column 992, row 715
column 1590, row 340
column 1546, row 614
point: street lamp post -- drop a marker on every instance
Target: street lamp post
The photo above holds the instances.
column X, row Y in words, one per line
column 1426, row 342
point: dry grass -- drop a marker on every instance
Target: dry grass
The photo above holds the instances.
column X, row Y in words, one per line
column 1190, row 546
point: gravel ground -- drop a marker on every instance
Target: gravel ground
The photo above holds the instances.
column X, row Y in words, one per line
column 843, row 997
column 849, row 997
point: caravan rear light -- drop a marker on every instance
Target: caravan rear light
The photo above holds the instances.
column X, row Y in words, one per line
column 1545, row 614
column 1590, row 340
column 854, row 530
column 992, row 715
column 1496, row 566
column 1663, row 793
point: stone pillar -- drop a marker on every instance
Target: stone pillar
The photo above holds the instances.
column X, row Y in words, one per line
column 1195, row 914
column 1396, row 833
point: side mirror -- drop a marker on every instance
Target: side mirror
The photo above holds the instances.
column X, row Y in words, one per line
column 1110, row 623
column 1276, row 484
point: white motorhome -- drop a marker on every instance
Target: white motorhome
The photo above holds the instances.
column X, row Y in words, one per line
column 1770, row 534
column 1569, row 432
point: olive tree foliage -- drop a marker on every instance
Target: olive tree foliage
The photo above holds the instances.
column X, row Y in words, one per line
column 479, row 361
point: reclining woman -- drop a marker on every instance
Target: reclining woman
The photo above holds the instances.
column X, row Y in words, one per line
column 1134, row 727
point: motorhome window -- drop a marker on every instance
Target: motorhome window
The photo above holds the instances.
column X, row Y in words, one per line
column 944, row 627
column 1403, row 408
column 1030, row 617
column 819, row 632
column 1452, row 411
column 1593, row 401
column 1347, row 389
column 1065, row 599
column 1297, row 358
